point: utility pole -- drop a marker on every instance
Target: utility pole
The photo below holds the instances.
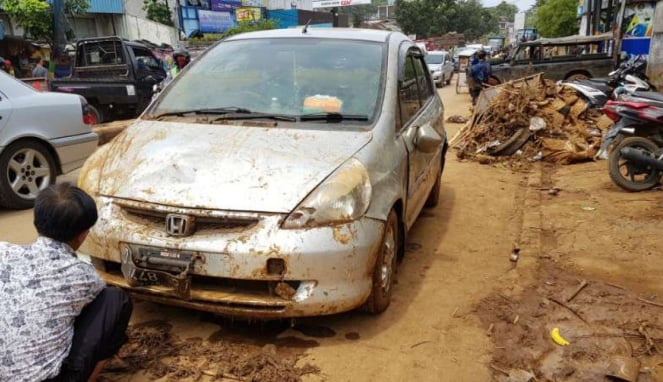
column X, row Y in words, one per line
column 59, row 40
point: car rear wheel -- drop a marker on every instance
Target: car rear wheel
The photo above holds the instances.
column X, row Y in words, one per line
column 96, row 114
column 384, row 271
column 26, row 168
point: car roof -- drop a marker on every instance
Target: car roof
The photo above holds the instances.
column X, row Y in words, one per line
column 312, row 32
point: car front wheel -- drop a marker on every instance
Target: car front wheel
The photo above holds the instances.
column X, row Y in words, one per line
column 26, row 168
column 385, row 267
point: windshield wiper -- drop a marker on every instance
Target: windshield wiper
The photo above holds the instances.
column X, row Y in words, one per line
column 215, row 110
column 333, row 117
column 256, row 115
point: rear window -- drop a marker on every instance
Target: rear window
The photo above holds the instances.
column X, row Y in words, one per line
column 289, row 76
column 100, row 53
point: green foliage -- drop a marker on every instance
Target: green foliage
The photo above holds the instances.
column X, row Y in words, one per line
column 504, row 11
column 158, row 11
column 241, row 27
column 36, row 16
column 427, row 18
column 557, row 18
column 360, row 13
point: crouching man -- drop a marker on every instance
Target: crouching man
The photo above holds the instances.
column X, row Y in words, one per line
column 58, row 319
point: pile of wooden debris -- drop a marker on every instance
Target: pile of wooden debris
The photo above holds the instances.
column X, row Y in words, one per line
column 531, row 119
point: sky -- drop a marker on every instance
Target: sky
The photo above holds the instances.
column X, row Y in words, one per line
column 523, row 5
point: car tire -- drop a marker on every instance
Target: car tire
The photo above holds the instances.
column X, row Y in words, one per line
column 25, row 157
column 98, row 114
column 384, row 270
column 438, row 84
column 449, row 80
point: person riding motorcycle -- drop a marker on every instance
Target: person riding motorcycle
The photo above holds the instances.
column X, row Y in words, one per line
column 181, row 59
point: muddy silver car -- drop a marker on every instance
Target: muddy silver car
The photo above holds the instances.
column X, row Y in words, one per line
column 277, row 176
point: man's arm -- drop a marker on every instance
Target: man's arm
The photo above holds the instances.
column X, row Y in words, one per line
column 85, row 284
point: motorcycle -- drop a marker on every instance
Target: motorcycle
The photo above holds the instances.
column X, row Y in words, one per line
column 636, row 161
column 629, row 78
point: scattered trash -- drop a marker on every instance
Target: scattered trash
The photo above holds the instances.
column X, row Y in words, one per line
column 553, row 191
column 487, row 146
column 515, row 253
column 624, row 368
column 588, row 208
column 582, row 285
column 557, row 337
column 537, row 157
column 536, row 124
column 535, row 119
column 457, row 119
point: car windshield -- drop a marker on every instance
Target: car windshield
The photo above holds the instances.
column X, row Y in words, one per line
column 282, row 76
column 434, row 58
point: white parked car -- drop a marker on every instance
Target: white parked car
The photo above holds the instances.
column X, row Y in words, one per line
column 42, row 135
column 441, row 66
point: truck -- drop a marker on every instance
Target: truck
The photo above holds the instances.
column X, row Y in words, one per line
column 116, row 76
column 563, row 58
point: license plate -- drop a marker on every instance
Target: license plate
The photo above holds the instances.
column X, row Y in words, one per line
column 138, row 276
column 165, row 253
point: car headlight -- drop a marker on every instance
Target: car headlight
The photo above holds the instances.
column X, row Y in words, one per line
column 343, row 197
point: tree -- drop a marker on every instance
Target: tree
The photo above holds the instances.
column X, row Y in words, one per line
column 436, row 17
column 557, row 18
column 504, row 11
column 359, row 13
column 36, row 16
column 158, row 11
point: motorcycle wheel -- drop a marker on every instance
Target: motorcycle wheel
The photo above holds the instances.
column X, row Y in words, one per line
column 629, row 175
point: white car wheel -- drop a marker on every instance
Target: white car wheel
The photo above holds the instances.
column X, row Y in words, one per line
column 27, row 168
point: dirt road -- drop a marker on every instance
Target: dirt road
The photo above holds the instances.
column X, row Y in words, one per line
column 461, row 310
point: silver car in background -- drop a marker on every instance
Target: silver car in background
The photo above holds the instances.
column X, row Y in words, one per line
column 277, row 176
column 42, row 135
column 441, row 66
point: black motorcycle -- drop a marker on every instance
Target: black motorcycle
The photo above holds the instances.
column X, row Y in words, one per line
column 636, row 161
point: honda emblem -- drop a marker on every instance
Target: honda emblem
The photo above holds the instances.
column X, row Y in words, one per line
column 180, row 225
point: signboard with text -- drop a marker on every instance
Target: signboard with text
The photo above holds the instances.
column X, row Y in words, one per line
column 225, row 5
column 215, row 22
column 337, row 3
column 248, row 14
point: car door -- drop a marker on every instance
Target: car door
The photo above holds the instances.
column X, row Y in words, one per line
column 5, row 112
column 418, row 117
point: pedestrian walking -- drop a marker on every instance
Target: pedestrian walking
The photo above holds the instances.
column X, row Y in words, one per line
column 40, row 71
column 59, row 319
column 479, row 73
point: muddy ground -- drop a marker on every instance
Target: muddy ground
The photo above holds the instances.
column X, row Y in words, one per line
column 462, row 311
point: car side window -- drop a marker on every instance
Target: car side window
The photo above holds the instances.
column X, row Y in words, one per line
column 145, row 59
column 408, row 94
column 423, row 79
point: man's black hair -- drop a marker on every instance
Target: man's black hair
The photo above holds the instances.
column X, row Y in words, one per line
column 63, row 211
column 481, row 55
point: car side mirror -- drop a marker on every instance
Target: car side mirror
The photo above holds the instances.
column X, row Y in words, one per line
column 427, row 140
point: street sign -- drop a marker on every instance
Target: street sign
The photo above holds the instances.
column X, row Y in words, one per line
column 338, row 3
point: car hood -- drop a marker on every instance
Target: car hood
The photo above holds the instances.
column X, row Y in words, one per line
column 227, row 167
column 434, row 66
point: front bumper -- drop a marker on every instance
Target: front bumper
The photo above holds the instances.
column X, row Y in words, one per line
column 326, row 269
